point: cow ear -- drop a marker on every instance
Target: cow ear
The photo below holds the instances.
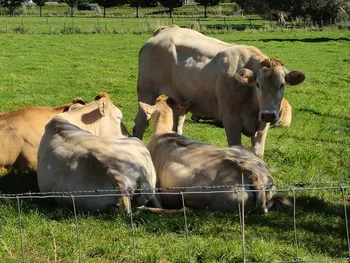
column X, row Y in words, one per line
column 183, row 108
column 245, row 76
column 103, row 106
column 78, row 101
column 294, row 77
column 148, row 109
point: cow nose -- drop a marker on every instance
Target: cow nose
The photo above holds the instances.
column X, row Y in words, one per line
column 269, row 116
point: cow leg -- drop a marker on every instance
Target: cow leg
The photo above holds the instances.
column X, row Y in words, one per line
column 233, row 129
column 141, row 119
column 180, row 124
column 162, row 210
column 126, row 203
column 258, row 141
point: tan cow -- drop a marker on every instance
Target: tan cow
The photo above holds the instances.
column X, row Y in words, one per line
column 284, row 120
column 20, row 134
column 182, row 162
column 237, row 84
column 86, row 150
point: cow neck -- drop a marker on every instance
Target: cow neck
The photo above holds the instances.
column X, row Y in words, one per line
column 164, row 122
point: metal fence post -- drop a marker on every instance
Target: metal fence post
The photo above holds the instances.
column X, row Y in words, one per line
column 20, row 227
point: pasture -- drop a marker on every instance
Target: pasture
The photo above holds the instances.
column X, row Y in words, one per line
column 49, row 70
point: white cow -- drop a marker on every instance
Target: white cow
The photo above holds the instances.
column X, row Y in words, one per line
column 86, row 150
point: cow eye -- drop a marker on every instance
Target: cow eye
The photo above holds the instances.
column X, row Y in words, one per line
column 282, row 86
column 257, row 84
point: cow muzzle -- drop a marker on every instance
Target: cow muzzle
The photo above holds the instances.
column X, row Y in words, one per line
column 269, row 116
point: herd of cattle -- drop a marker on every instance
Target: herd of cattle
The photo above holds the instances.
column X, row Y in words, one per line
column 85, row 147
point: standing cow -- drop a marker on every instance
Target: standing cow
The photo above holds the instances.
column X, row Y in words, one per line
column 237, row 84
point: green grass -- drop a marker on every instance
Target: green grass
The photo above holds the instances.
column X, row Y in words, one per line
column 40, row 69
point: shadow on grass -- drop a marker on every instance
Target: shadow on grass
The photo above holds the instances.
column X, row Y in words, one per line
column 15, row 182
column 317, row 113
column 308, row 40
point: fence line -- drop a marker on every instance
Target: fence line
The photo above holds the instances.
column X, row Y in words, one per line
column 119, row 25
column 238, row 189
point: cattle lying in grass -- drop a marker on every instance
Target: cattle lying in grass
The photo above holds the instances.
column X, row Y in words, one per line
column 237, row 84
column 182, row 162
column 20, row 134
column 285, row 116
column 86, row 150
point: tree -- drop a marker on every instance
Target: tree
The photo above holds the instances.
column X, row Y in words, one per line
column 171, row 4
column 71, row 4
column 142, row 3
column 11, row 5
column 314, row 9
column 109, row 3
column 40, row 3
column 207, row 3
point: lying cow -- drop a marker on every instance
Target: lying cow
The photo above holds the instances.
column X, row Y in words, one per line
column 86, row 150
column 237, row 84
column 20, row 134
column 285, row 116
column 182, row 162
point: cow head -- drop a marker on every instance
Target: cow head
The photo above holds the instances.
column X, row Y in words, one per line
column 269, row 82
column 167, row 112
column 101, row 118
column 109, row 110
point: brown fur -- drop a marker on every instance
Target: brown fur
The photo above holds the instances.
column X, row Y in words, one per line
column 20, row 134
column 271, row 62
column 103, row 95
column 182, row 162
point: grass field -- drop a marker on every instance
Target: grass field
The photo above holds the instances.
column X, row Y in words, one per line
column 50, row 70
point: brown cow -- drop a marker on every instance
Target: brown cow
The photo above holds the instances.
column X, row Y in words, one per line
column 20, row 134
column 237, row 84
column 182, row 162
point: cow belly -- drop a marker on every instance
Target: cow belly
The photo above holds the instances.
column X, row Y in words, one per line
column 93, row 185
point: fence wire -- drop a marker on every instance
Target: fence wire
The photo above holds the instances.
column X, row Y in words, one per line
column 183, row 192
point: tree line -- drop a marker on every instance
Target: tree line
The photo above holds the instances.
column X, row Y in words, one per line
column 11, row 5
column 312, row 9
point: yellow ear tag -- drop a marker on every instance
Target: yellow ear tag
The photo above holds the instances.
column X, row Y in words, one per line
column 149, row 111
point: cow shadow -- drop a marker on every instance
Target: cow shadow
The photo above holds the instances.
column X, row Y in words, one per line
column 307, row 40
column 15, row 182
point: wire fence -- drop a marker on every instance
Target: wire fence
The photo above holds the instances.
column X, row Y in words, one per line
column 288, row 188
column 120, row 25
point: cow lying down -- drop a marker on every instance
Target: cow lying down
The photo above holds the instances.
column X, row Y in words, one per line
column 20, row 134
column 182, row 162
column 86, row 150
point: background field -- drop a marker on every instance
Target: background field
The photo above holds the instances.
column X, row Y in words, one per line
column 41, row 69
